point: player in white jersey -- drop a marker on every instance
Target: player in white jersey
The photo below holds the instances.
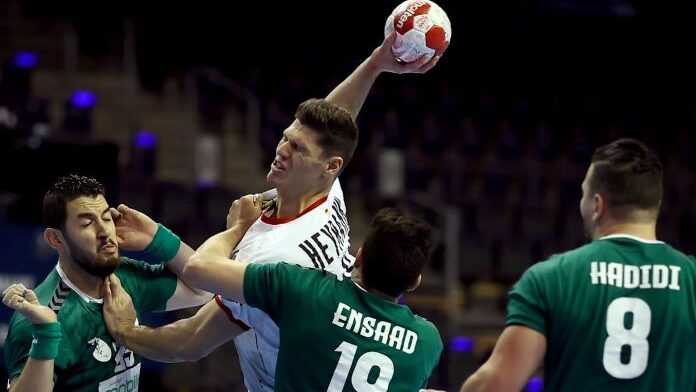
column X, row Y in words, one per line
column 307, row 225
column 318, row 238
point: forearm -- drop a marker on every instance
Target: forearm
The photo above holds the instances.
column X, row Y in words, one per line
column 221, row 244
column 188, row 294
column 475, row 383
column 188, row 339
column 175, row 342
column 211, row 269
column 37, row 376
column 352, row 92
column 177, row 263
column 487, row 379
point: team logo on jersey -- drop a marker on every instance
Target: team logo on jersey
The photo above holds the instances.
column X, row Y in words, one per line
column 102, row 351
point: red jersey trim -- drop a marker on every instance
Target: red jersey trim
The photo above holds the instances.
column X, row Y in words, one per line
column 272, row 220
column 242, row 325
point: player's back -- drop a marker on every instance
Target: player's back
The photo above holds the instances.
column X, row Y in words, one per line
column 620, row 315
column 335, row 336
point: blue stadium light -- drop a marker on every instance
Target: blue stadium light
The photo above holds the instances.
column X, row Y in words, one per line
column 535, row 384
column 83, row 99
column 462, row 344
column 145, row 140
column 26, row 60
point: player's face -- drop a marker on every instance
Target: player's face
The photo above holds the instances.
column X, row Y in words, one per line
column 587, row 205
column 299, row 162
column 90, row 235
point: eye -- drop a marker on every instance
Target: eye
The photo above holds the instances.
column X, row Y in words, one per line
column 85, row 223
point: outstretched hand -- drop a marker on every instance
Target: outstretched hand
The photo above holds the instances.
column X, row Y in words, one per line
column 384, row 60
column 134, row 229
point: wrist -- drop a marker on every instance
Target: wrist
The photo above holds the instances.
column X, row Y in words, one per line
column 236, row 231
column 164, row 245
column 46, row 340
column 124, row 333
column 373, row 66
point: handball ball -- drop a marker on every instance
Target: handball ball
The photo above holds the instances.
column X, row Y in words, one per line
column 422, row 28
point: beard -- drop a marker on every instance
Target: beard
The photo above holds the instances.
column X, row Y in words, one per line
column 100, row 266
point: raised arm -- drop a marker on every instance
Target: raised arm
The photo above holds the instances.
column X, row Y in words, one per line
column 188, row 339
column 138, row 232
column 37, row 374
column 352, row 92
column 210, row 268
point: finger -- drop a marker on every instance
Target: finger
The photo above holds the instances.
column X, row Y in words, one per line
column 269, row 194
column 421, row 62
column 14, row 301
column 115, row 214
column 430, row 64
column 31, row 297
column 123, row 209
column 389, row 39
column 115, row 282
column 15, row 289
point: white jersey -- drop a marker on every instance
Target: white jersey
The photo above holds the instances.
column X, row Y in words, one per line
column 317, row 238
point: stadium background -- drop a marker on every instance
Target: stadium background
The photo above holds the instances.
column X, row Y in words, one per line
column 177, row 109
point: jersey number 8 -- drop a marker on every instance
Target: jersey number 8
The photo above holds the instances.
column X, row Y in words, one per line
column 634, row 338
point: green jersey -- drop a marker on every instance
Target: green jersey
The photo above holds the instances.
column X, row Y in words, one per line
column 619, row 314
column 88, row 358
column 335, row 336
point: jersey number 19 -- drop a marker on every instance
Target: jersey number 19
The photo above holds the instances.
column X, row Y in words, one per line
column 362, row 370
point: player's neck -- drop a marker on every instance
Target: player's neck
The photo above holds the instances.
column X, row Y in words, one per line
column 356, row 276
column 291, row 204
column 86, row 282
column 644, row 231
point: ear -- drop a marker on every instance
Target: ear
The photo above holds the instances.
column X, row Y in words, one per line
column 54, row 238
column 415, row 284
column 600, row 207
column 334, row 166
column 358, row 258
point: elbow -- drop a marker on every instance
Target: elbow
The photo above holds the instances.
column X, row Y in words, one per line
column 190, row 354
column 194, row 271
column 485, row 380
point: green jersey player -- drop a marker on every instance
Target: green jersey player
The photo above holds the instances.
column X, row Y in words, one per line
column 614, row 315
column 57, row 339
column 335, row 334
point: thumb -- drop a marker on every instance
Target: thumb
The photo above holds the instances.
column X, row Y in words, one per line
column 30, row 296
column 389, row 39
column 106, row 291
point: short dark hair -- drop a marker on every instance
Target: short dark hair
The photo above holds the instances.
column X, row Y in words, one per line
column 337, row 131
column 63, row 191
column 628, row 174
column 395, row 251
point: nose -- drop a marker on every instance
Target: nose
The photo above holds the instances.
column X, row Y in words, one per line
column 283, row 149
column 102, row 229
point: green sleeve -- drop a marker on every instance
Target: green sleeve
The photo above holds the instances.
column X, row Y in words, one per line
column 437, row 348
column 527, row 302
column 269, row 286
column 17, row 345
column 149, row 285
